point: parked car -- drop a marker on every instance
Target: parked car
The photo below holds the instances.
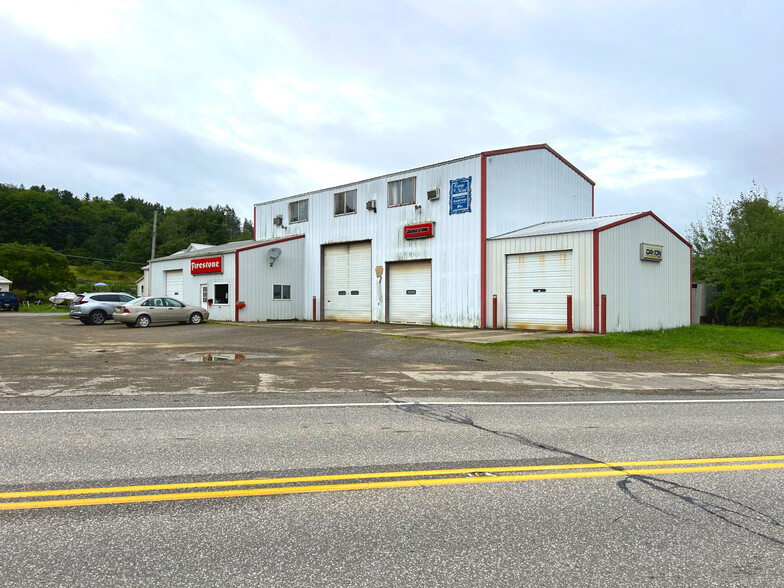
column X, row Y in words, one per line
column 9, row 301
column 141, row 312
column 95, row 308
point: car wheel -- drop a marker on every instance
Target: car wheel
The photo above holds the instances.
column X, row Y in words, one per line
column 84, row 321
column 143, row 321
column 196, row 318
column 97, row 317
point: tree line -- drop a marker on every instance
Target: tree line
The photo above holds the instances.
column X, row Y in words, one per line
column 739, row 250
column 43, row 230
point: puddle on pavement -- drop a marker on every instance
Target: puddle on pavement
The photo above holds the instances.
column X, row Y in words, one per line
column 219, row 357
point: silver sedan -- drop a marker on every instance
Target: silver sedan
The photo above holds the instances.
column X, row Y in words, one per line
column 141, row 312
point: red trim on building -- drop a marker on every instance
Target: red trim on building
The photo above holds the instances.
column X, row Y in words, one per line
column 596, row 281
column 643, row 215
column 237, row 264
column 544, row 146
column 691, row 297
column 236, row 285
column 483, row 248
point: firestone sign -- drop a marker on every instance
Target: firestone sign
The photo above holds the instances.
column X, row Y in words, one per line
column 207, row 265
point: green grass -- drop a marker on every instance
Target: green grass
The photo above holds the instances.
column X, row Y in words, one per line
column 703, row 343
column 116, row 281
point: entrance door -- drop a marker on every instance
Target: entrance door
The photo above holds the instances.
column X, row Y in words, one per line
column 536, row 288
column 347, row 282
column 410, row 298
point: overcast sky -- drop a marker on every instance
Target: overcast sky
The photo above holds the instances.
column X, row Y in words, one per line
column 663, row 104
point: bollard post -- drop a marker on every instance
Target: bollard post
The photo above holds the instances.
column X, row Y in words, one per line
column 568, row 313
column 495, row 311
column 604, row 314
column 314, row 309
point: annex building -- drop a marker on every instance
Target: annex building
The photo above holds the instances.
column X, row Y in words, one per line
column 500, row 239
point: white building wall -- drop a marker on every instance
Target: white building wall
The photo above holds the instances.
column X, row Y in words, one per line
column 191, row 283
column 581, row 245
column 455, row 250
column 528, row 187
column 644, row 294
column 257, row 277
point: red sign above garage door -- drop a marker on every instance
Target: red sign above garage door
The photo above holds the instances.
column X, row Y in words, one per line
column 207, row 265
column 418, row 231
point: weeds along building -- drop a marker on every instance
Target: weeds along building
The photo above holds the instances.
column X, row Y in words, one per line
column 502, row 238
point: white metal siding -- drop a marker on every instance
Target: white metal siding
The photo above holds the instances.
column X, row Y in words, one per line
column 347, row 282
column 644, row 294
column 537, row 285
column 529, row 187
column 257, row 278
column 581, row 245
column 410, row 292
column 455, row 250
column 174, row 284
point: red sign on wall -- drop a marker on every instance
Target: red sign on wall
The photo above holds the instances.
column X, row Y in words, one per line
column 207, row 265
column 418, row 231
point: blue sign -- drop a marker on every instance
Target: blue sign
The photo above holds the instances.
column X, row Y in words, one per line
column 460, row 195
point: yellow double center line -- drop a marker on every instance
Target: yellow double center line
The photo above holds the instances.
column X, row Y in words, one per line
column 403, row 479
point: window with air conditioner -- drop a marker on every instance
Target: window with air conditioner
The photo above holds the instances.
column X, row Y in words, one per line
column 401, row 192
column 346, row 202
column 298, row 211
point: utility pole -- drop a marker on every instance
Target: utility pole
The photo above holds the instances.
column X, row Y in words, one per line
column 154, row 232
column 152, row 254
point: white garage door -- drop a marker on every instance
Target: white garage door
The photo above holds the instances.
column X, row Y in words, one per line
column 347, row 282
column 174, row 284
column 410, row 292
column 536, row 288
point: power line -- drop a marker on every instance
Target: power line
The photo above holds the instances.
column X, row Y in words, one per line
column 74, row 256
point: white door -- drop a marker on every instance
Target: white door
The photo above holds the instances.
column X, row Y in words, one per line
column 348, row 281
column 174, row 284
column 410, row 292
column 536, row 288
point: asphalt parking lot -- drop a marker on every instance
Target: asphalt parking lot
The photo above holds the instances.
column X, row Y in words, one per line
column 52, row 357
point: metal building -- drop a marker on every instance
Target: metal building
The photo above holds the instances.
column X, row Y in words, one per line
column 410, row 246
column 488, row 240
column 240, row 281
column 626, row 272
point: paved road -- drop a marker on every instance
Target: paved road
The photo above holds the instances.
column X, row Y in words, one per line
column 365, row 462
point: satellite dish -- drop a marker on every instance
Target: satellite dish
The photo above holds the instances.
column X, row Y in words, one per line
column 273, row 254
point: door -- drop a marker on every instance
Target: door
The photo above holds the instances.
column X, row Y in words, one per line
column 409, row 292
column 537, row 285
column 174, row 284
column 347, row 282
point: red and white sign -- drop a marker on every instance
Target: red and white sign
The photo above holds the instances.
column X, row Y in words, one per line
column 418, row 231
column 207, row 265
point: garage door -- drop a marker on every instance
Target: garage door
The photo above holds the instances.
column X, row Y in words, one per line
column 536, row 288
column 410, row 292
column 174, row 284
column 347, row 281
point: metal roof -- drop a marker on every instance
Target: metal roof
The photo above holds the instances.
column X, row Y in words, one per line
column 542, row 146
column 568, row 226
column 208, row 249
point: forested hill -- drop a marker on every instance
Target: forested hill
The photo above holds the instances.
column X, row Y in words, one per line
column 118, row 228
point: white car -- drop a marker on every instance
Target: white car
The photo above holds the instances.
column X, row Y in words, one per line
column 141, row 312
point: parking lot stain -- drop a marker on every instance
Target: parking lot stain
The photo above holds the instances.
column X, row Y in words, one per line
column 219, row 357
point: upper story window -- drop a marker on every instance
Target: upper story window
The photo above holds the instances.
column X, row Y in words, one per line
column 346, row 202
column 298, row 211
column 401, row 192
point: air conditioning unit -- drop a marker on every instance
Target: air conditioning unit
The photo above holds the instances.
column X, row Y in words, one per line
column 371, row 205
column 434, row 194
column 278, row 220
